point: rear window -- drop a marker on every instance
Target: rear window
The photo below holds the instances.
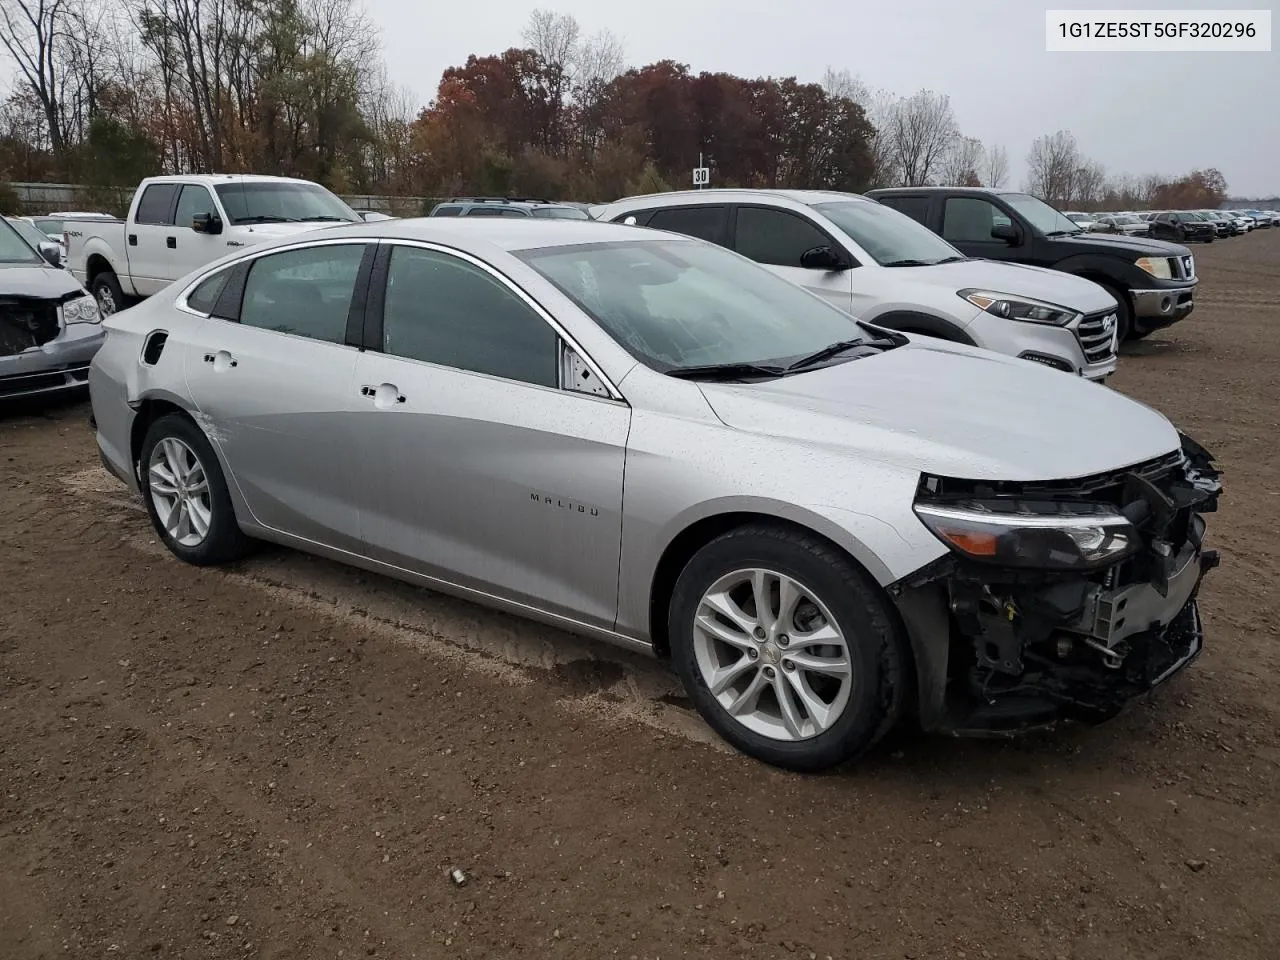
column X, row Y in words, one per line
column 156, row 205
column 917, row 208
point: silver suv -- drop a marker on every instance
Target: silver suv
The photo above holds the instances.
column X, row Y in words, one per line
column 883, row 267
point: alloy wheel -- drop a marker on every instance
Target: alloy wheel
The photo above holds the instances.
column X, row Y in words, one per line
column 772, row 654
column 179, row 492
column 106, row 300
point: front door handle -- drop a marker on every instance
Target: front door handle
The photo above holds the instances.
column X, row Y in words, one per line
column 171, row 242
column 220, row 360
column 133, row 239
column 384, row 394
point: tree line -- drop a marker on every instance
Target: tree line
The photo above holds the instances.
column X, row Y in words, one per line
column 109, row 93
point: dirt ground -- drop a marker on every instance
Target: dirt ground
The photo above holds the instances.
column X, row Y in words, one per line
column 286, row 759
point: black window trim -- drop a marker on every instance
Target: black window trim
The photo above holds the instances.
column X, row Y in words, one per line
column 173, row 203
column 646, row 214
column 376, row 308
column 838, row 247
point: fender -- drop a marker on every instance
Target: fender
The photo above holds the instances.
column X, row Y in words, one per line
column 925, row 323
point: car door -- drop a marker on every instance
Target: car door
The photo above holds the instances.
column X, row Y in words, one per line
column 777, row 239
column 478, row 468
column 149, row 237
column 272, row 374
column 192, row 249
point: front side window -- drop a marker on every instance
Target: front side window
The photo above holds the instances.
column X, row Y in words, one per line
column 29, row 233
column 194, row 199
column 969, row 220
column 442, row 309
column 304, row 292
column 14, row 249
column 282, row 201
column 673, row 304
column 775, row 237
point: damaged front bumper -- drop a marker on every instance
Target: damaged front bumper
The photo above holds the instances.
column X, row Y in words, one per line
column 1000, row 649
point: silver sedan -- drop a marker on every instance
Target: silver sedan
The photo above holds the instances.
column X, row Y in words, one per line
column 653, row 441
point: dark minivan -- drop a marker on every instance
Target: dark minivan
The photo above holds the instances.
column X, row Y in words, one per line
column 1153, row 281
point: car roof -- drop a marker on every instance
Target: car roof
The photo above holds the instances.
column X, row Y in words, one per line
column 731, row 195
column 483, row 234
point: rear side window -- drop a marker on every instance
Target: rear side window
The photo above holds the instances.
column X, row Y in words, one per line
column 917, row 208
column 205, row 296
column 775, row 237
column 705, row 223
column 156, row 205
column 495, row 212
column 304, row 292
column 446, row 211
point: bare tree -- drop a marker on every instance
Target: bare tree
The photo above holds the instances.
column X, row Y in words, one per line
column 962, row 162
column 597, row 60
column 1088, row 185
column 1051, row 168
column 921, row 128
column 552, row 36
column 30, row 30
column 878, row 105
column 996, row 170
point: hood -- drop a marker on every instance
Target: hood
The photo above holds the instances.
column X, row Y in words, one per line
column 262, row 232
column 1017, row 279
column 952, row 410
column 35, row 280
column 1130, row 248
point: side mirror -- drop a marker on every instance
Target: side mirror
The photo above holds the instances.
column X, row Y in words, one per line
column 52, row 253
column 206, row 223
column 1006, row 232
column 822, row 258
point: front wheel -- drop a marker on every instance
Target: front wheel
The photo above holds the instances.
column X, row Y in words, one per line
column 1124, row 314
column 186, row 495
column 786, row 647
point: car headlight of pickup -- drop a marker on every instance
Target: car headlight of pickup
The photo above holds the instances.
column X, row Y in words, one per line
column 1041, row 536
column 1019, row 308
column 1158, row 267
column 81, row 310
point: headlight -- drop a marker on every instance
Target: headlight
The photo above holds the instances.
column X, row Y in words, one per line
column 1019, row 308
column 1158, row 267
column 1045, row 536
column 81, row 310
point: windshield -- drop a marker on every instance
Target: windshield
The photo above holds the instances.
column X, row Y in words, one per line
column 1039, row 214
column 14, row 248
column 560, row 213
column 281, row 200
column 889, row 237
column 676, row 304
column 29, row 233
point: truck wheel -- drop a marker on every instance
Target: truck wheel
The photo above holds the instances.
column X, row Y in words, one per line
column 106, row 290
column 1124, row 313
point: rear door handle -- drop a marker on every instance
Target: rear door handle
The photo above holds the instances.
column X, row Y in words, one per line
column 171, row 242
column 133, row 239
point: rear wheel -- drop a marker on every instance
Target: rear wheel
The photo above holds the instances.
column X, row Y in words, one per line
column 186, row 495
column 786, row 647
column 106, row 290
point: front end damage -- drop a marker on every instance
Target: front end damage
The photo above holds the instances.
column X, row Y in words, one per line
column 1058, row 600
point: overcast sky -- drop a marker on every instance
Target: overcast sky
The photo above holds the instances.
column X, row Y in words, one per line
column 1134, row 112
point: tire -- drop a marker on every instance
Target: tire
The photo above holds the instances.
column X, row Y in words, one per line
column 106, row 290
column 222, row 540
column 864, row 705
column 1124, row 314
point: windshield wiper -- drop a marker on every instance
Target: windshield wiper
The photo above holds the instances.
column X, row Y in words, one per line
column 1063, row 233
column 907, row 263
column 727, row 371
column 956, row 259
column 266, row 218
column 831, row 350
column 327, row 218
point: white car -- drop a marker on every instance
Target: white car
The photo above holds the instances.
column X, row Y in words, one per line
column 1084, row 221
column 884, row 267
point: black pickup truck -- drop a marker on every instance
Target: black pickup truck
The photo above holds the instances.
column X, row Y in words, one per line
column 1154, row 282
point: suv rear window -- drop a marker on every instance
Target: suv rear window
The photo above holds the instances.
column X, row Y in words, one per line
column 917, row 208
column 705, row 223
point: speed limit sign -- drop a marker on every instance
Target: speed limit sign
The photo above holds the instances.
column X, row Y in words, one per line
column 701, row 176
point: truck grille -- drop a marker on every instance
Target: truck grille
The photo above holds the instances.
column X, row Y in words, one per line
column 1097, row 336
column 26, row 322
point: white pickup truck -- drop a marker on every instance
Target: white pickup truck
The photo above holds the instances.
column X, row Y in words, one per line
column 177, row 224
